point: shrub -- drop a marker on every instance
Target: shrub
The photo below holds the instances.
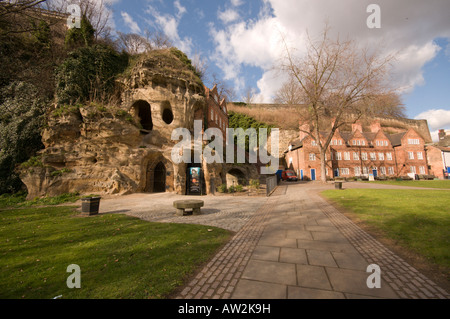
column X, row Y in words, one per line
column 239, row 188
column 89, row 73
column 254, row 183
column 231, row 189
column 222, row 188
column 21, row 118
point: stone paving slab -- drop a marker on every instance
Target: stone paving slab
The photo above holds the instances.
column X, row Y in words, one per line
column 305, row 249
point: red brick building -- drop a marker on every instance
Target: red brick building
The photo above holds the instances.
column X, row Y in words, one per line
column 216, row 109
column 438, row 158
column 358, row 154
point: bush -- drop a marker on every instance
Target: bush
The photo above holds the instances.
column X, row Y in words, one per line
column 222, row 188
column 21, row 118
column 254, row 183
column 231, row 189
column 239, row 188
column 89, row 74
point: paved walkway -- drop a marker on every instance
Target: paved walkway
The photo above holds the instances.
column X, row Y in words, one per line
column 296, row 245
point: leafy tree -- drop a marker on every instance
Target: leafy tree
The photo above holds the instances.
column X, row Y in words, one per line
column 82, row 36
column 89, row 74
column 21, row 117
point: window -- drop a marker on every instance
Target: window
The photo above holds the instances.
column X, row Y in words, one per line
column 364, row 156
column 212, row 115
column 312, row 157
column 357, row 171
column 345, row 171
column 413, row 141
column 373, row 156
column 381, row 156
column 217, row 118
column 340, row 142
column 411, row 156
column 347, row 156
column 313, row 143
column 339, row 156
column 355, row 156
column 354, row 142
column 420, row 155
column 413, row 169
column 385, row 143
column 365, row 170
column 383, row 170
column 290, row 161
column 391, row 170
column 422, row 170
column 377, row 142
column 389, row 156
column 363, row 142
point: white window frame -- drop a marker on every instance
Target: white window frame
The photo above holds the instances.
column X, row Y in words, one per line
column 364, row 156
column 389, row 156
column 381, row 156
column 383, row 170
column 419, row 155
column 373, row 156
column 339, row 156
column 345, row 171
column 391, row 170
column 410, row 155
column 357, row 171
column 412, row 169
column 346, row 156
column 422, row 170
column 312, row 156
column 355, row 156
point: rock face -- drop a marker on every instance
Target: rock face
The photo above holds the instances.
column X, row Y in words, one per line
column 95, row 149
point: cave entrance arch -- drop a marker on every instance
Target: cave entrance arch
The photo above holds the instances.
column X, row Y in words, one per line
column 236, row 177
column 143, row 111
column 159, row 180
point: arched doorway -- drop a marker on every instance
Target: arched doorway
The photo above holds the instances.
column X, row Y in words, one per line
column 159, row 180
column 236, row 177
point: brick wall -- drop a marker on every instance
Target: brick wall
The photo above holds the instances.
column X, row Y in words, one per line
column 356, row 153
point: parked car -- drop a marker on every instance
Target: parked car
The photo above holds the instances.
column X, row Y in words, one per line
column 289, row 175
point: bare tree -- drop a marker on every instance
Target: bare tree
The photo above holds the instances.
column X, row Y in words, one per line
column 337, row 79
column 224, row 90
column 249, row 96
column 133, row 43
column 159, row 40
column 290, row 93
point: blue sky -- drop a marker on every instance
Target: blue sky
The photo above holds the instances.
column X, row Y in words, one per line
column 239, row 40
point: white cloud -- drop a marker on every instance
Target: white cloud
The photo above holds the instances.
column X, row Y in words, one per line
column 169, row 25
column 228, row 16
column 437, row 119
column 236, row 3
column 180, row 9
column 408, row 27
column 134, row 27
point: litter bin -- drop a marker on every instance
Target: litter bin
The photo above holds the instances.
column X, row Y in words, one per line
column 90, row 205
column 338, row 185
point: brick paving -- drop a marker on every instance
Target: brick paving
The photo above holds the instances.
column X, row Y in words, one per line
column 219, row 277
column 298, row 246
column 407, row 281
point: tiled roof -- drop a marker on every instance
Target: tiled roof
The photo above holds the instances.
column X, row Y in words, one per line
column 396, row 139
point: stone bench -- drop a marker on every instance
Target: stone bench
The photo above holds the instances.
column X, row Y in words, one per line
column 182, row 205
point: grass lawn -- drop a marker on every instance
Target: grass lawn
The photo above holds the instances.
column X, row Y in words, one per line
column 416, row 219
column 119, row 256
column 444, row 184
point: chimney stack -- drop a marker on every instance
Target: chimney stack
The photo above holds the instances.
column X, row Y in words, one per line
column 302, row 134
column 356, row 126
column 375, row 127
